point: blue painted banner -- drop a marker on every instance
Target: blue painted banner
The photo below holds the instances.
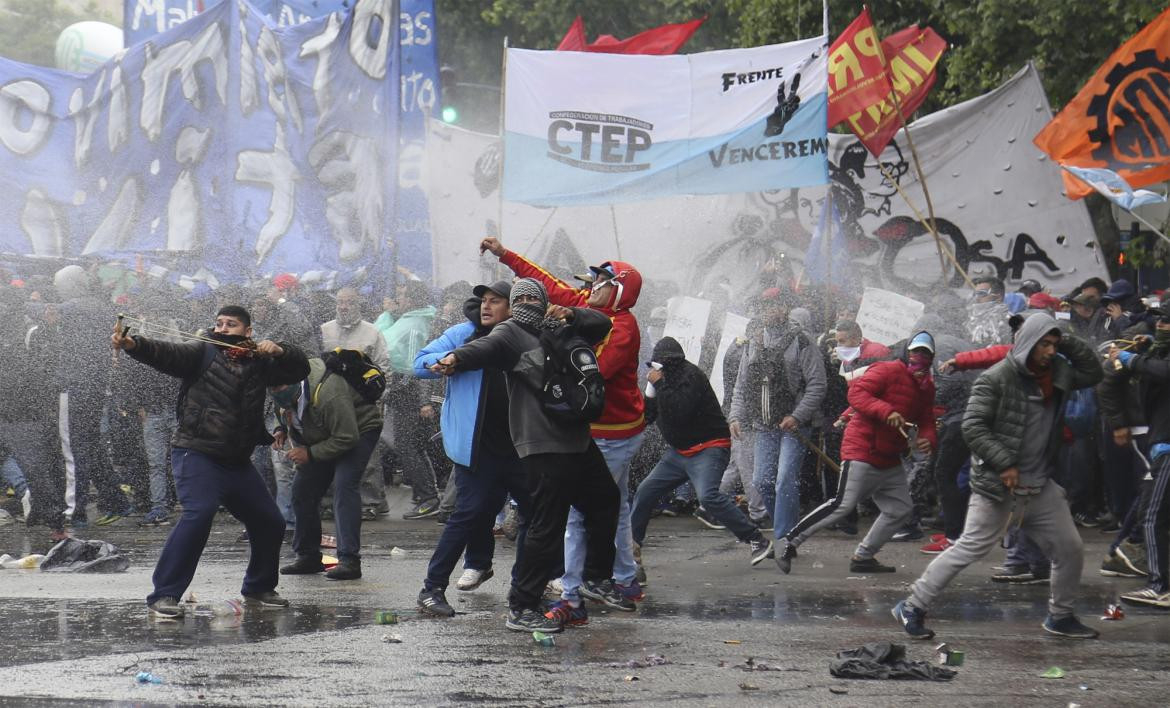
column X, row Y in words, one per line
column 226, row 143
column 419, row 94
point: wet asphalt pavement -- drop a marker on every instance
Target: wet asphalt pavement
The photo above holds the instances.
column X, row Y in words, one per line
column 67, row 638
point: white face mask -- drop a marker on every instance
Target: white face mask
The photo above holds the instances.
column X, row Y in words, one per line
column 848, row 353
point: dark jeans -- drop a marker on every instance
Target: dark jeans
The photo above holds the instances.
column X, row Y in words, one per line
column 129, row 455
column 704, row 470
column 309, row 487
column 559, row 481
column 203, row 484
column 411, row 438
column 90, row 460
column 36, row 447
column 481, row 494
column 1123, row 475
column 1080, row 473
column 952, row 454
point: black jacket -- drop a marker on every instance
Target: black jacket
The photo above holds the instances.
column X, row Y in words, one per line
column 222, row 413
column 684, row 404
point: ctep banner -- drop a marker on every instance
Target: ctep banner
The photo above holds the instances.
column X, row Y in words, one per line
column 585, row 128
column 226, row 143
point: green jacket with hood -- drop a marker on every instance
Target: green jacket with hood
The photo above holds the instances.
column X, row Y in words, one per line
column 994, row 424
column 335, row 415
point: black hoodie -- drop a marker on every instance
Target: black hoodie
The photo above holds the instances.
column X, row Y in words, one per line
column 684, row 404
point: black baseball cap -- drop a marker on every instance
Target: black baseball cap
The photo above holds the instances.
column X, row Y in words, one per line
column 501, row 287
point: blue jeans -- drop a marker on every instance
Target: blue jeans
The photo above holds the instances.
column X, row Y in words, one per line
column 618, row 454
column 11, row 474
column 308, row 489
column 481, row 494
column 204, row 484
column 704, row 470
column 156, row 435
column 779, row 456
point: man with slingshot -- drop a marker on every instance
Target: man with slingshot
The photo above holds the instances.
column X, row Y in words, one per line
column 220, row 420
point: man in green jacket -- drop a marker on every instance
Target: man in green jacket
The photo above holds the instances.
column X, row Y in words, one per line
column 1013, row 425
column 333, row 431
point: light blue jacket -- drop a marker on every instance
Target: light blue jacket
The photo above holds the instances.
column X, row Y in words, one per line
column 460, row 414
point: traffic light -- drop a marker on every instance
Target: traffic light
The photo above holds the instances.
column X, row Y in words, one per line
column 448, row 94
column 450, row 114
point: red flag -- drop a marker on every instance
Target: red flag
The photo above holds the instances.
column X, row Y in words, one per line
column 1120, row 119
column 856, row 79
column 666, row 39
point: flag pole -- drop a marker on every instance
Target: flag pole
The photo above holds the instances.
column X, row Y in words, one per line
column 1150, row 226
column 500, row 162
column 616, row 241
column 922, row 220
column 932, row 226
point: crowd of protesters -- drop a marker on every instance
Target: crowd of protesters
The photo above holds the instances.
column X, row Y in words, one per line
column 1003, row 415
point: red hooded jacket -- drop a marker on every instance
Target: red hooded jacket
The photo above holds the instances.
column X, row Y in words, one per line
column 886, row 387
column 617, row 354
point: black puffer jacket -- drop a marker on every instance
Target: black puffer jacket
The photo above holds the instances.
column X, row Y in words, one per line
column 994, row 424
column 684, row 404
column 222, row 414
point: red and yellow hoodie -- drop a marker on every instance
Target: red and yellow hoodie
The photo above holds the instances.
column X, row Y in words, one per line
column 617, row 354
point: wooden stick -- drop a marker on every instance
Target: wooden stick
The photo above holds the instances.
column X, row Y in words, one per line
column 922, row 220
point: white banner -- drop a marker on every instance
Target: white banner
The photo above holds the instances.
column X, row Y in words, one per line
column 997, row 199
column 593, row 128
column 887, row 317
column 734, row 327
column 686, row 321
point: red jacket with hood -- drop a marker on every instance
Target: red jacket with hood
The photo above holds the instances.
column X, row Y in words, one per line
column 617, row 354
column 886, row 387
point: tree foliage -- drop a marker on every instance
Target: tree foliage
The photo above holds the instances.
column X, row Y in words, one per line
column 29, row 28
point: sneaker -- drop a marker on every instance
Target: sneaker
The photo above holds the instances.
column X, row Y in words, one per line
column 1085, row 519
column 632, row 592
column 270, row 600
column 423, row 510
column 1018, row 575
column 472, row 578
column 443, row 517
column 936, row 537
column 869, row 565
column 554, row 588
column 707, row 520
column 111, row 518
column 784, row 560
column 604, row 592
column 761, row 548
column 1115, row 567
column 908, row 533
column 532, row 621
column 369, row 513
column 563, row 611
column 166, row 608
column 1134, row 557
column 1069, row 626
column 434, row 602
column 912, row 620
column 155, row 517
column 764, row 523
column 346, row 569
column 936, row 547
column 1147, row 596
column 676, row 507
column 304, row 565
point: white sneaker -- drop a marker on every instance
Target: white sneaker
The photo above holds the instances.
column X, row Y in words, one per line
column 554, row 588
column 471, row 578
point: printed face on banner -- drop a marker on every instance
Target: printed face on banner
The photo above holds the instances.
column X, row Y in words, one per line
column 224, row 143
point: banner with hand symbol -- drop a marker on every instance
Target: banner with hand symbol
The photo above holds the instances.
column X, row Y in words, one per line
column 586, row 128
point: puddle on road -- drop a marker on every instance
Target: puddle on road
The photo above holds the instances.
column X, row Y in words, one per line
column 51, row 630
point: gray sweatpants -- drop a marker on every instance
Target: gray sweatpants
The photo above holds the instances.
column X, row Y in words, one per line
column 1045, row 517
column 858, row 481
column 742, row 467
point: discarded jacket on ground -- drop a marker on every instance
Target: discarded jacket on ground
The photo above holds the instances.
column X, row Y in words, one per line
column 76, row 556
column 883, row 660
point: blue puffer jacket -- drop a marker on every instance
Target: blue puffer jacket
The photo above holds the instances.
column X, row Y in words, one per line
column 460, row 412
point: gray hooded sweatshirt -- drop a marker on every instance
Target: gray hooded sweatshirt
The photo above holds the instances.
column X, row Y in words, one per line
column 1035, row 463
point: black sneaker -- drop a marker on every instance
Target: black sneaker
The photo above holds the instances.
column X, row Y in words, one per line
column 423, row 510
column 270, row 600
column 346, row 569
column 434, row 602
column 166, row 608
column 761, row 548
column 869, row 565
column 532, row 621
column 709, row 521
column 764, row 523
column 1019, row 575
column 604, row 592
column 369, row 513
column 784, row 560
column 912, row 620
column 304, row 565
column 1069, row 626
column 908, row 533
column 1086, row 519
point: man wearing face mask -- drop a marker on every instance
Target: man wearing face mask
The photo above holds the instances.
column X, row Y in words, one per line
column 987, row 314
column 333, row 431
column 350, row 331
column 887, row 401
column 220, row 422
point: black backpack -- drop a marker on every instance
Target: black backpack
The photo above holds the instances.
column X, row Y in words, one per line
column 362, row 374
column 572, row 390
